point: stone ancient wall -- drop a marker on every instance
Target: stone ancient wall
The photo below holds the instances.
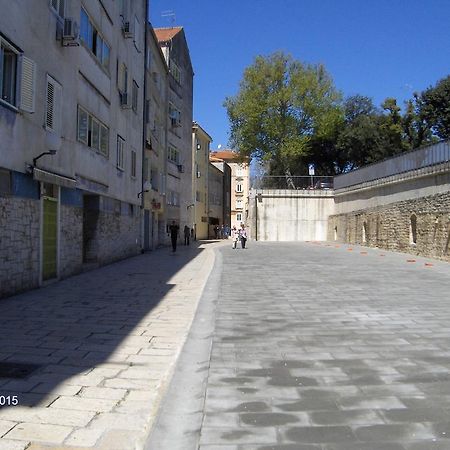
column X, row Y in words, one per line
column 19, row 244
column 418, row 226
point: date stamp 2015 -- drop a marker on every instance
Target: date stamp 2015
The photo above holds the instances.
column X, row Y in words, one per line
column 9, row 400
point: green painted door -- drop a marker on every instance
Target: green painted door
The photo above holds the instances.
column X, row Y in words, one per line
column 49, row 238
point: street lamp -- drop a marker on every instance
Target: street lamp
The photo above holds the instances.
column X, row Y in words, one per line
column 50, row 152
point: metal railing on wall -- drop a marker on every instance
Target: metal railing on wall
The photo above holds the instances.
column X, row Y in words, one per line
column 292, row 182
column 413, row 160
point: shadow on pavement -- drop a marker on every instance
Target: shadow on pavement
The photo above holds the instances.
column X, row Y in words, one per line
column 62, row 331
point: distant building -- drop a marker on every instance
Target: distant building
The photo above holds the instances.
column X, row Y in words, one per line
column 178, row 188
column 226, row 188
column 71, row 127
column 240, row 185
column 201, row 200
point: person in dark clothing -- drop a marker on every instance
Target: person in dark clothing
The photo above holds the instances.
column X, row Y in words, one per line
column 174, row 229
column 187, row 233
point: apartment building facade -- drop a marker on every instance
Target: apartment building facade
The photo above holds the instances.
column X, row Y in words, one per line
column 155, row 153
column 240, row 185
column 172, row 42
column 225, row 170
column 71, row 109
column 201, row 141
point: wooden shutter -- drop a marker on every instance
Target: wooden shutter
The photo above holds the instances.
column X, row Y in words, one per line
column 27, row 84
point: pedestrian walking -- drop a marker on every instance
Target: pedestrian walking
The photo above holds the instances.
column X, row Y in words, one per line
column 187, row 233
column 243, row 235
column 174, row 231
column 234, row 236
column 216, row 231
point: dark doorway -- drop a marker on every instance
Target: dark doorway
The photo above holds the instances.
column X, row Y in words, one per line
column 91, row 209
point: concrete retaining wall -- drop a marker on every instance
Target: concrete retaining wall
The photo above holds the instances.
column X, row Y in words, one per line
column 289, row 215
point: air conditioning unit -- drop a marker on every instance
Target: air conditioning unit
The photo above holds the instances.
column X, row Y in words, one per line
column 126, row 30
column 125, row 100
column 70, row 30
column 68, row 33
column 180, row 168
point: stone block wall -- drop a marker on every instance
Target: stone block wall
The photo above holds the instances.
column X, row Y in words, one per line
column 118, row 236
column 19, row 244
column 71, row 240
column 418, row 226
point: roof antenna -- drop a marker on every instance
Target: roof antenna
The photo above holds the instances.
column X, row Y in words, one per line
column 170, row 16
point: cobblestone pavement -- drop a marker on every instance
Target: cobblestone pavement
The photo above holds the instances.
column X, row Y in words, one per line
column 317, row 346
column 99, row 349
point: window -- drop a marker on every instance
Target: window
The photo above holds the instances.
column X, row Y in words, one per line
column 173, row 154
column 58, row 6
column 120, row 153
column 173, row 198
column 240, row 172
column 133, row 163
column 175, row 116
column 197, row 196
column 92, row 132
column 53, row 106
column 13, row 80
column 137, row 33
column 123, row 82
column 175, row 70
column 134, row 99
column 154, row 179
column 239, row 187
column 239, row 204
column 239, row 217
column 94, row 40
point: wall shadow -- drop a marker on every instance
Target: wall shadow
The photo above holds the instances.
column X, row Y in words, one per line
column 68, row 328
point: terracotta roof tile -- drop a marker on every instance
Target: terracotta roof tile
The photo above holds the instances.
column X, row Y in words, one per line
column 166, row 34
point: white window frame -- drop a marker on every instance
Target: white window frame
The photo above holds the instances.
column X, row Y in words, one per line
column 239, row 204
column 102, row 142
column 173, row 154
column 175, row 70
column 239, row 217
column 101, row 52
column 239, row 188
column 120, row 161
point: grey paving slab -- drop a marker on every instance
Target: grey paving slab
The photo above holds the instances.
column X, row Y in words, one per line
column 313, row 347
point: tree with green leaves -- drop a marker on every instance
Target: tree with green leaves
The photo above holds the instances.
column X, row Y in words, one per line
column 433, row 106
column 281, row 104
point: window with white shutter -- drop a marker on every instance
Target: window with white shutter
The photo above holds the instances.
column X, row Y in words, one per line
column 53, row 106
column 27, row 84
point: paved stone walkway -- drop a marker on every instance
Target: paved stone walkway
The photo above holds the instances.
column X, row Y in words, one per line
column 102, row 346
column 317, row 347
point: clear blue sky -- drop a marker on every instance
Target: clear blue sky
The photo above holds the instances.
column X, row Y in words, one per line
column 378, row 48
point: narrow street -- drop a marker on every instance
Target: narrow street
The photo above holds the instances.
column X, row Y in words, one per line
column 314, row 346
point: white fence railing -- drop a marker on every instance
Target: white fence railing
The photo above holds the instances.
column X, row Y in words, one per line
column 416, row 159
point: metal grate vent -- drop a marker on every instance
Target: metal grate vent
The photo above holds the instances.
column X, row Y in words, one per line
column 16, row 370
